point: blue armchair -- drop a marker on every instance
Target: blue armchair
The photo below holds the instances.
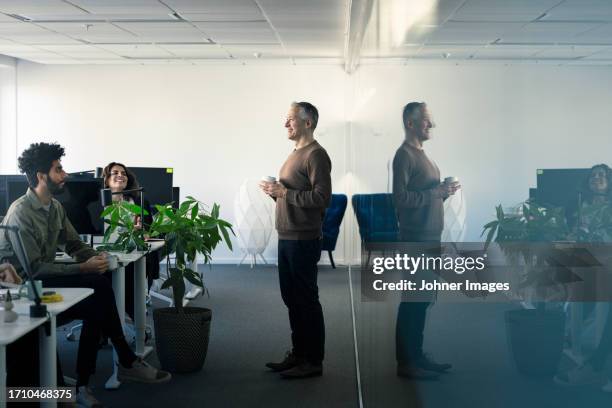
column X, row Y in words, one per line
column 376, row 218
column 331, row 224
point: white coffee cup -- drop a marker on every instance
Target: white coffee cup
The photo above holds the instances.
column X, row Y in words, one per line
column 113, row 262
column 450, row 180
column 268, row 179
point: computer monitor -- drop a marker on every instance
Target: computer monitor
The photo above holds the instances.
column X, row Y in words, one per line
column 561, row 188
column 157, row 182
column 81, row 200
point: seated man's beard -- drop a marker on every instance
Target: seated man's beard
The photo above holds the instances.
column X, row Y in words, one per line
column 54, row 188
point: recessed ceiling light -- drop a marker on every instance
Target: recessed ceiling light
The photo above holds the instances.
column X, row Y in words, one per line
column 257, row 54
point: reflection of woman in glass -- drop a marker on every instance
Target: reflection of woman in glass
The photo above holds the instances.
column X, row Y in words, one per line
column 595, row 212
column 595, row 225
column 118, row 178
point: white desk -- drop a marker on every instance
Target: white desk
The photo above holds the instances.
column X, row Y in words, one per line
column 9, row 332
column 48, row 343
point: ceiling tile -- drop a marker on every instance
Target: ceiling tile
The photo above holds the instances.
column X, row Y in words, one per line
column 213, row 6
column 137, row 51
column 256, row 16
column 568, row 52
column 263, row 50
column 546, row 32
column 91, row 32
column 599, row 34
column 80, row 51
column 472, row 33
column 164, row 32
column 302, row 8
column 123, row 7
column 39, row 8
column 447, row 52
column 28, row 33
column 603, row 55
column 499, row 51
column 240, row 33
column 196, row 50
column 503, row 10
column 581, row 10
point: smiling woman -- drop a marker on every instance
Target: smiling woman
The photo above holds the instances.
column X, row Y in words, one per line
column 118, row 177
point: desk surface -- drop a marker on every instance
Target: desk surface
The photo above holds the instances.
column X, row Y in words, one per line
column 71, row 296
column 123, row 257
column 9, row 332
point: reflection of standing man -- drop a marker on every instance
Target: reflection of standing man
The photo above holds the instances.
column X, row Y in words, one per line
column 418, row 196
column 302, row 195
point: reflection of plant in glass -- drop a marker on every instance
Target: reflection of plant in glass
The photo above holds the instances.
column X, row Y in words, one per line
column 188, row 230
column 594, row 223
column 528, row 235
column 120, row 217
column 533, row 223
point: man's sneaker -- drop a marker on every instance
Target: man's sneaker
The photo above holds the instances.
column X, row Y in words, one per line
column 141, row 371
column 303, row 370
column 607, row 386
column 290, row 361
column 416, row 373
column 85, row 398
column 426, row 362
column 581, row 375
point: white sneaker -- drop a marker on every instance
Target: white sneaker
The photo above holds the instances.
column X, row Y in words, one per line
column 607, row 386
column 141, row 371
column 581, row 375
column 85, row 398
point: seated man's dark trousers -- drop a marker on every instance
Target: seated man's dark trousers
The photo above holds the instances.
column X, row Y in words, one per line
column 100, row 318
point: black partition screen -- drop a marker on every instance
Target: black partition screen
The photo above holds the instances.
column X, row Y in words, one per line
column 157, row 182
column 81, row 199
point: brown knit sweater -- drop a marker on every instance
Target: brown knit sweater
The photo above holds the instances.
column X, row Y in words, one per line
column 307, row 177
column 419, row 208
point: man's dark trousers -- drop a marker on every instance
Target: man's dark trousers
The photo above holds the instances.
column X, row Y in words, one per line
column 97, row 311
column 412, row 316
column 297, row 269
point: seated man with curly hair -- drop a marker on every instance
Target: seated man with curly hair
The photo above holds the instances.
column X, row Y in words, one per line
column 44, row 227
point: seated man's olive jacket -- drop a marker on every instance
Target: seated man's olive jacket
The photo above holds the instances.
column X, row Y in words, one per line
column 43, row 232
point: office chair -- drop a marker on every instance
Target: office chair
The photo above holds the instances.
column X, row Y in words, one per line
column 331, row 224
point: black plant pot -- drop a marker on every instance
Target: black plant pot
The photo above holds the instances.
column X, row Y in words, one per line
column 182, row 338
column 535, row 338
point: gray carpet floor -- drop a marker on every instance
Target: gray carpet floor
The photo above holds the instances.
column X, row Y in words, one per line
column 249, row 327
column 472, row 337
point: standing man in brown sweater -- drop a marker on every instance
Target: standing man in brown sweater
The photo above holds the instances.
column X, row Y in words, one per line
column 302, row 195
column 418, row 196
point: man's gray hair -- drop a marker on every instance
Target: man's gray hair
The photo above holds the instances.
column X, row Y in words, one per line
column 307, row 111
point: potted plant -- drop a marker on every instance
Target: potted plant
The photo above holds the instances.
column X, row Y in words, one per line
column 120, row 216
column 182, row 333
column 535, row 335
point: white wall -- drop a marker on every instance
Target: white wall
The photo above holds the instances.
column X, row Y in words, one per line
column 217, row 125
